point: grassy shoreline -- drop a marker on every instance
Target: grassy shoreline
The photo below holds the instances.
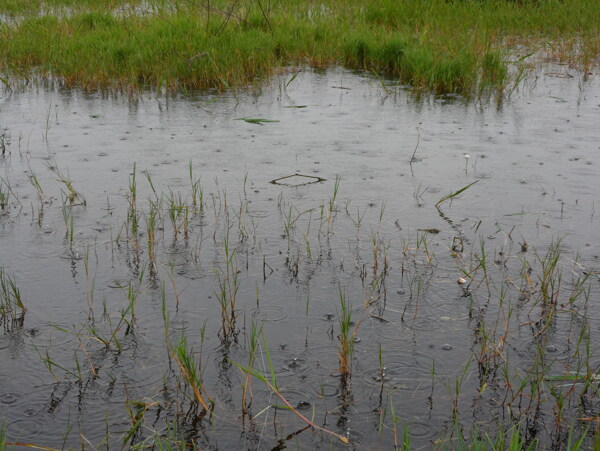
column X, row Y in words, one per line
column 432, row 45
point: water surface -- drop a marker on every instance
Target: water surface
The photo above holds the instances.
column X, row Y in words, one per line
column 294, row 248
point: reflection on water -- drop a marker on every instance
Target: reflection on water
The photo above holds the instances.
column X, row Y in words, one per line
column 194, row 248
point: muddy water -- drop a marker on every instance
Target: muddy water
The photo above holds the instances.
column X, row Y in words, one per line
column 295, row 248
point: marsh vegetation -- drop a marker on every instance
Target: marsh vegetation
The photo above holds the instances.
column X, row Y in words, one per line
column 462, row 46
column 268, row 225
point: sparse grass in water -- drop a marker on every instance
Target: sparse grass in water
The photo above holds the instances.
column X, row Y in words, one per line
column 512, row 304
column 226, row 294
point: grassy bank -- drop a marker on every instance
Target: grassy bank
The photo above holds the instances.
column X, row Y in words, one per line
column 438, row 45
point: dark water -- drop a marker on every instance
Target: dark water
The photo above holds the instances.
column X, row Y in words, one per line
column 295, row 248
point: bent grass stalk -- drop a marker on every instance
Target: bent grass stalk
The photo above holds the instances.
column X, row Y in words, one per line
column 136, row 411
column 42, row 198
column 71, row 195
column 126, row 319
column 454, row 194
column 190, row 372
column 272, row 385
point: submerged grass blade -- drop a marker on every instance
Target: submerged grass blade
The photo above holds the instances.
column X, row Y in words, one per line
column 29, row 445
column 252, row 120
column 291, row 80
column 453, row 195
column 288, row 406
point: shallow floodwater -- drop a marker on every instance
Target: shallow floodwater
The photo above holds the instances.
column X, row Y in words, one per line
column 91, row 361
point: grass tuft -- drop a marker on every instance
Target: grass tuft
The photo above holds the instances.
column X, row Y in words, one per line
column 11, row 303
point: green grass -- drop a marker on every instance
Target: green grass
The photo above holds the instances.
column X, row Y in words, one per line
column 3, row 435
column 436, row 45
column 11, row 303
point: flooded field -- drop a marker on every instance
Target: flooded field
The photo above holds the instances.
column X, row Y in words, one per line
column 430, row 278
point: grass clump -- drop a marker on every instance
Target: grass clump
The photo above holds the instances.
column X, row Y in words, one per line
column 11, row 303
column 432, row 44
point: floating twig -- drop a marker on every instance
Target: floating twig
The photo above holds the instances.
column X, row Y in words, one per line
column 314, row 178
